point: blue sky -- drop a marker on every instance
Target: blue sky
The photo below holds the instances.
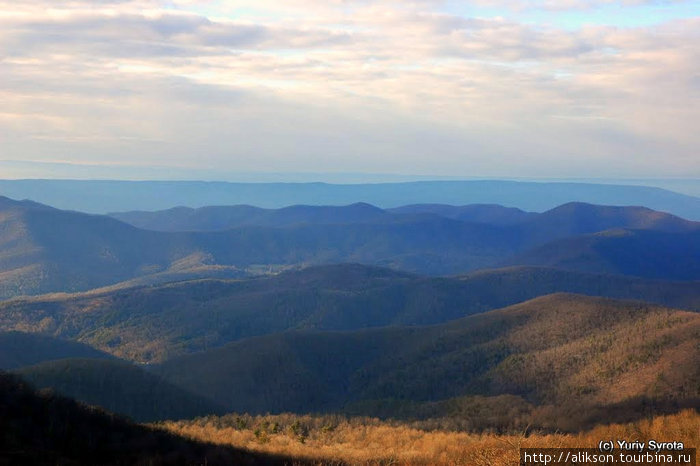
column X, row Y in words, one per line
column 488, row 88
column 609, row 14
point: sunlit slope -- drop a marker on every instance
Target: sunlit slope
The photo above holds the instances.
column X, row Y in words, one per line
column 372, row 442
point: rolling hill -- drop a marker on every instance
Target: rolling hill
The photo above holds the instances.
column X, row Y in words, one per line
column 572, row 357
column 157, row 322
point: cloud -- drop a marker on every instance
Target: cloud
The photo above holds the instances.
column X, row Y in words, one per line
column 356, row 86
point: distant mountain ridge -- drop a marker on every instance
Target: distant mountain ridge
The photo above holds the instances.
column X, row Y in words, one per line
column 218, row 218
column 43, row 249
column 573, row 218
column 118, row 196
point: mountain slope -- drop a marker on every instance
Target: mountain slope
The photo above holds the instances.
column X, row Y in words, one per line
column 118, row 387
column 565, row 352
column 158, row 322
column 577, row 218
column 492, row 214
column 649, row 254
column 45, row 249
column 19, row 349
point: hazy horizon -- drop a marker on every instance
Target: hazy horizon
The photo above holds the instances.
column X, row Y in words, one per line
column 18, row 170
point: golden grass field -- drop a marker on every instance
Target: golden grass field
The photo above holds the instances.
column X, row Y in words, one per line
column 363, row 441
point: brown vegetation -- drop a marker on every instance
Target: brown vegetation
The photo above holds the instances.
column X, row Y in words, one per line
column 334, row 440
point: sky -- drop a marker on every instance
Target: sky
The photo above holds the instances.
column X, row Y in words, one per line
column 485, row 88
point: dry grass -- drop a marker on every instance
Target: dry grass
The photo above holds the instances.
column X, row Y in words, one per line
column 363, row 441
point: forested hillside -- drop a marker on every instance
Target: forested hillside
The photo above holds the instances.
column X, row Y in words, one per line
column 158, row 322
column 576, row 360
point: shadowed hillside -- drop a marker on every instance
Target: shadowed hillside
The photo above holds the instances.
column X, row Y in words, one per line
column 19, row 349
column 42, row 428
column 578, row 359
column 119, row 387
column 154, row 323
column 628, row 252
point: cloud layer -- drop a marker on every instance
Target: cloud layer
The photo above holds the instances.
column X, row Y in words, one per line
column 407, row 87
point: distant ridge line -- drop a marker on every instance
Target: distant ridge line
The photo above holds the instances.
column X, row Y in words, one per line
column 102, row 196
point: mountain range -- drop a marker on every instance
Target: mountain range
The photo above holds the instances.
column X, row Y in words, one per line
column 573, row 218
column 43, row 249
column 492, row 317
column 104, row 196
